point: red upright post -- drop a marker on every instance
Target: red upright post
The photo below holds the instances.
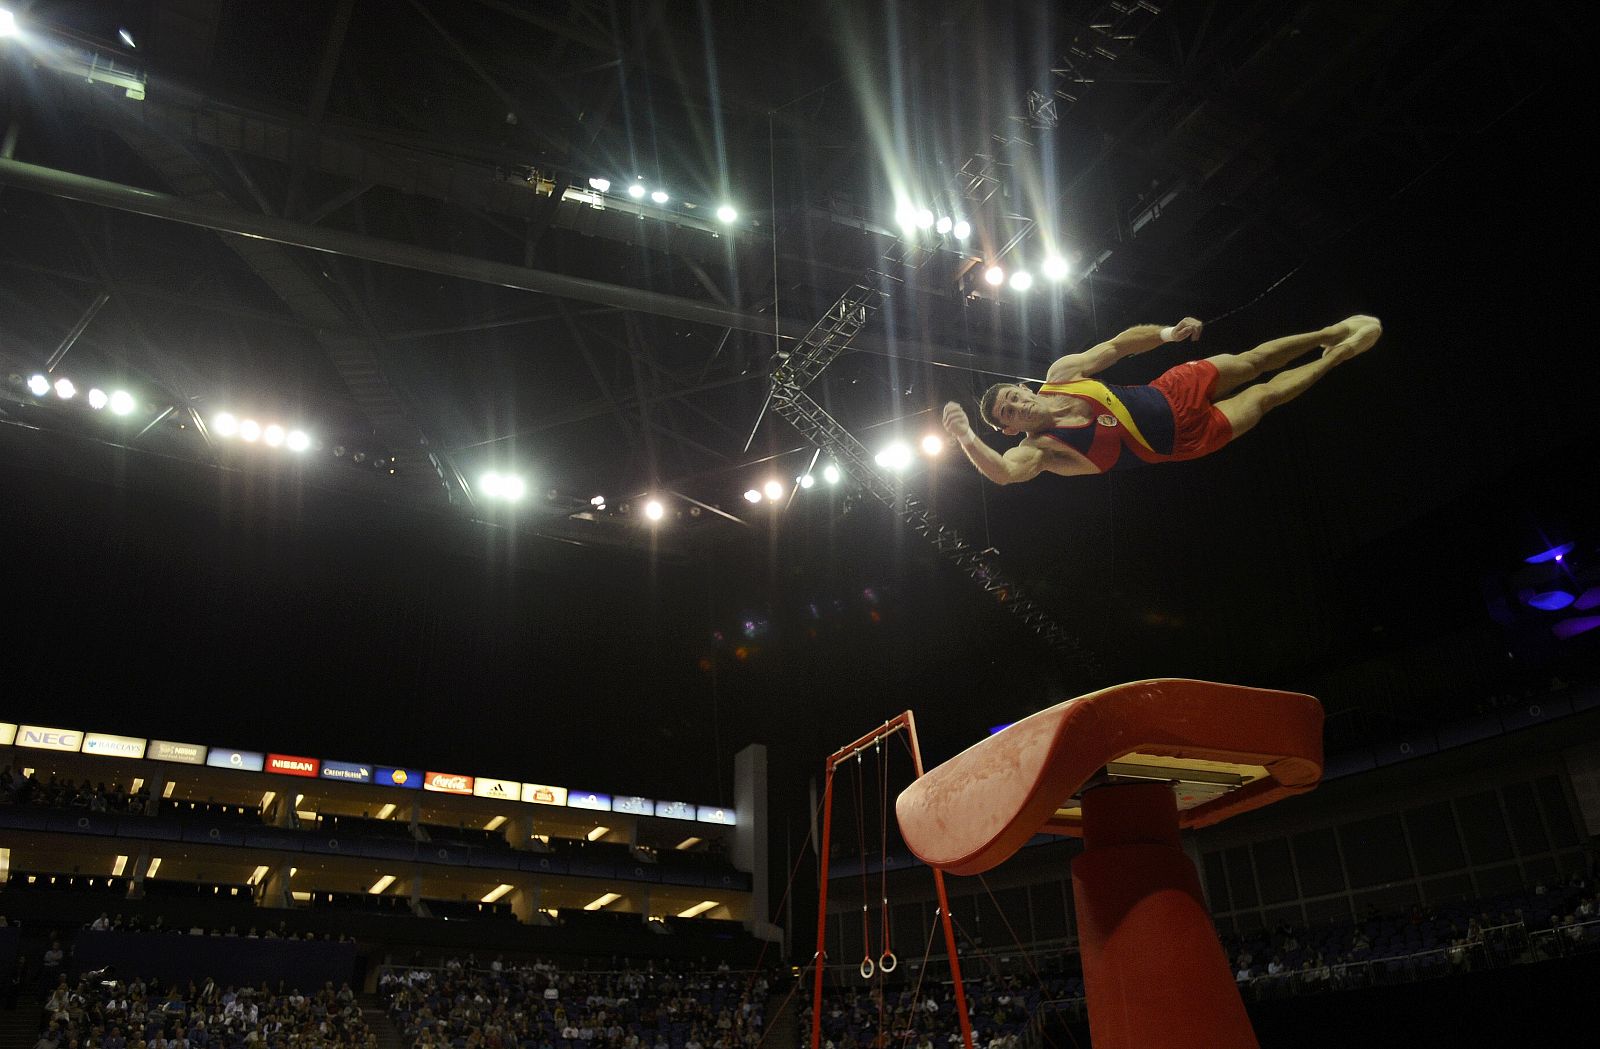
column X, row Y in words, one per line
column 821, row 960
column 1154, row 972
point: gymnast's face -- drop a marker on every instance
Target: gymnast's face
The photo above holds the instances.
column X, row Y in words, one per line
column 1018, row 410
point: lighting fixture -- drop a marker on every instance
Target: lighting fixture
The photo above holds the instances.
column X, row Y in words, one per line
column 752, row 496
column 256, row 876
column 38, row 385
column 830, row 473
column 1021, row 280
column 298, row 440
column 496, row 892
column 654, row 510
column 225, row 424
column 64, row 389
column 773, row 490
column 1055, row 267
column 725, row 213
column 119, row 866
column 660, row 196
column 598, row 833
column 387, row 811
column 896, row 456
column 944, row 225
column 601, row 901
column 962, row 229
column 698, row 909
column 905, row 216
column 155, row 865
column 8, row 23
column 126, row 37
column 122, row 402
column 995, row 276
column 598, row 502
column 273, row 435
column 600, row 185
column 806, row 481
column 636, row 191
column 932, row 444
column 495, row 824
column 381, row 884
column 249, row 430
column 924, row 218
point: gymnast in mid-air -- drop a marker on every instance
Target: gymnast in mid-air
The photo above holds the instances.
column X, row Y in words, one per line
column 1076, row 425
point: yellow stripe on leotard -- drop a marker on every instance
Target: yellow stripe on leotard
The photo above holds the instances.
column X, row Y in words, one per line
column 1096, row 391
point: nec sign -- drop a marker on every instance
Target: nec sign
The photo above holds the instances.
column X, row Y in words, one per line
column 41, row 738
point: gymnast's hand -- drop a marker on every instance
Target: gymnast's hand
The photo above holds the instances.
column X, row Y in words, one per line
column 955, row 422
column 1188, row 328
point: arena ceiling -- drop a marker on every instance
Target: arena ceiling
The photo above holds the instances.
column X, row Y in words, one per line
column 432, row 284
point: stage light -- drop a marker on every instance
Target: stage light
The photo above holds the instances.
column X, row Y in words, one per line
column 896, row 457
column 598, row 502
column 962, row 229
column 924, row 218
column 126, row 37
column 905, row 216
column 995, row 275
column 932, row 444
column 636, row 191
column 38, row 385
column 225, row 424
column 298, row 440
column 752, row 496
column 773, row 490
column 660, row 196
column 64, row 389
column 512, row 487
column 249, row 430
column 1021, row 280
column 944, row 225
column 122, row 402
column 806, row 480
column 98, row 398
column 654, row 510
column 273, row 435
column 725, row 213
column 1055, row 267
column 8, row 23
column 600, row 185
column 830, row 473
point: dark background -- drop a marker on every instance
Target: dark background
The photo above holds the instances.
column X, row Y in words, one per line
column 1343, row 548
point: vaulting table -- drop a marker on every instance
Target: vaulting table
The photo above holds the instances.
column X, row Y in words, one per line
column 1126, row 768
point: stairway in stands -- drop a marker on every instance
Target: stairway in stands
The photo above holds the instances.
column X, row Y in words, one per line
column 20, row 1027
column 783, row 1021
column 377, row 1020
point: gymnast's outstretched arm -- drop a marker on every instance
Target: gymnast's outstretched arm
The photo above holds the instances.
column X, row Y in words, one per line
column 1140, row 338
column 1021, row 463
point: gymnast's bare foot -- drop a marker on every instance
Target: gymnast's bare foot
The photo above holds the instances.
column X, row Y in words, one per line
column 1358, row 334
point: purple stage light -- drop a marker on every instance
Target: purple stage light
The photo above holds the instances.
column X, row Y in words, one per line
column 1555, row 553
column 1550, row 600
column 1569, row 628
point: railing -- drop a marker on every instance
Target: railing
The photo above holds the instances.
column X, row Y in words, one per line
column 1498, row 947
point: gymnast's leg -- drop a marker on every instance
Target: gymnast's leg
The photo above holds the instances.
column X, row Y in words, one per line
column 1349, row 339
column 1236, row 369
